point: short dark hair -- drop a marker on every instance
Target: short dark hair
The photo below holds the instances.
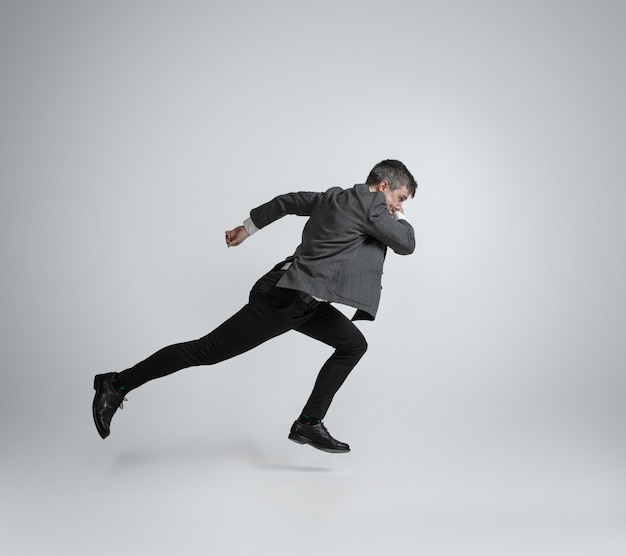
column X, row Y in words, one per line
column 395, row 173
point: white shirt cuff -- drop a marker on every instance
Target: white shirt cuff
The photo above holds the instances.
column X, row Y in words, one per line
column 249, row 226
column 398, row 215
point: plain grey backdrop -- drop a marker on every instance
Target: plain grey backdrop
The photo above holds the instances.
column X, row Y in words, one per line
column 487, row 416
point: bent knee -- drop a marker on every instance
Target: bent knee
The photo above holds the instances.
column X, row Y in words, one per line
column 362, row 346
column 357, row 346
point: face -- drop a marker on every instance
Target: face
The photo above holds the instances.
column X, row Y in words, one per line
column 394, row 198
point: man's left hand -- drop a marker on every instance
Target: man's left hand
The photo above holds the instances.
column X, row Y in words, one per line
column 236, row 236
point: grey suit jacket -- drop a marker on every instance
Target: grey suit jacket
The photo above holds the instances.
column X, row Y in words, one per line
column 343, row 244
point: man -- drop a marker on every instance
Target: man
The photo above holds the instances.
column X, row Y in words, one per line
column 339, row 260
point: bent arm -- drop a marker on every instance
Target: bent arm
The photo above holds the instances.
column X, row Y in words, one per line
column 397, row 234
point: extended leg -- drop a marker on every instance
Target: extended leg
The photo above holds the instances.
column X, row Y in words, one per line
column 270, row 312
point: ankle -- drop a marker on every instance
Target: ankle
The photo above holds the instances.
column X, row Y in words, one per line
column 117, row 385
column 308, row 420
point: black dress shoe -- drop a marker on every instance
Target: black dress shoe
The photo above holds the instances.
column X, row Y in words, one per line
column 318, row 437
column 105, row 403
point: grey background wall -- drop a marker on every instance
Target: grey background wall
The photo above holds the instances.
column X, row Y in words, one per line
column 134, row 133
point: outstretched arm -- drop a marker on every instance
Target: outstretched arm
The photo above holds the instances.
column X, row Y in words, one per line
column 236, row 236
column 290, row 203
column 300, row 203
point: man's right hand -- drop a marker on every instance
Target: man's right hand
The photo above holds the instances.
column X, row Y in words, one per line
column 236, row 236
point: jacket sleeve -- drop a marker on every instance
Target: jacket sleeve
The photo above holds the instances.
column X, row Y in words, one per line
column 396, row 234
column 300, row 203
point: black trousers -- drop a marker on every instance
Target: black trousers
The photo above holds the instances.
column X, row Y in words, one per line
column 270, row 311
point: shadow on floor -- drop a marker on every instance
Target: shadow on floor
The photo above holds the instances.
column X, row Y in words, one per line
column 242, row 452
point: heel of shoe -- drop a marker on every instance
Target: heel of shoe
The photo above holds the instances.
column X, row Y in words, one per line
column 297, row 438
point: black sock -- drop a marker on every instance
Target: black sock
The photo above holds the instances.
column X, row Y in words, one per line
column 306, row 420
column 115, row 381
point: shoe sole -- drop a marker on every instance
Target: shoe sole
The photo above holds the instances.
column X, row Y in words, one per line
column 303, row 440
column 101, row 431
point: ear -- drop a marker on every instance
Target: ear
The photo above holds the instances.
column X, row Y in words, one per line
column 382, row 185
